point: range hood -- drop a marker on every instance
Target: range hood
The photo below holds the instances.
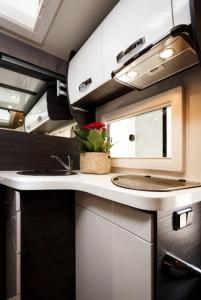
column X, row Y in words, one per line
column 172, row 54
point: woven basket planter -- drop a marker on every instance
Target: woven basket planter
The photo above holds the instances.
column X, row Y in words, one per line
column 95, row 163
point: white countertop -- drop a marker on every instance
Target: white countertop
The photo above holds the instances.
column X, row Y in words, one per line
column 101, row 185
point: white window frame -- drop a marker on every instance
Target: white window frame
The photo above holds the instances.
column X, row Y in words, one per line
column 175, row 99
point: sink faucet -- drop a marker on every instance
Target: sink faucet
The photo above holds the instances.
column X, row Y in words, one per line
column 66, row 166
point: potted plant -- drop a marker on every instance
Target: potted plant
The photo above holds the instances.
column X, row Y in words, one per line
column 94, row 148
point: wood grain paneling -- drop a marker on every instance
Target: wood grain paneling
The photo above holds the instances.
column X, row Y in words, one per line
column 184, row 243
column 105, row 93
column 2, row 243
column 23, row 151
column 48, row 245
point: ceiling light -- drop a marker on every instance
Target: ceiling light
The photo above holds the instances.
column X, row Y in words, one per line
column 131, row 74
column 13, row 97
column 167, row 53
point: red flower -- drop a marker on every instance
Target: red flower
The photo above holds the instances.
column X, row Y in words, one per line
column 95, row 125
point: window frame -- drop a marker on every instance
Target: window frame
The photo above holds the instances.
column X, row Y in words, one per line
column 174, row 98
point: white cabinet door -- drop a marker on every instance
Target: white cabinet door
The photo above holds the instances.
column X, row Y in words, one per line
column 85, row 71
column 181, row 12
column 93, row 256
column 129, row 21
column 111, row 263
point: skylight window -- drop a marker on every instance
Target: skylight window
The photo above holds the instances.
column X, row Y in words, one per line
column 21, row 12
column 4, row 116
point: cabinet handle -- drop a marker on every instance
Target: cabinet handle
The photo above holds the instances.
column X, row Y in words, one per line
column 177, row 263
column 84, row 84
column 133, row 46
column 39, row 118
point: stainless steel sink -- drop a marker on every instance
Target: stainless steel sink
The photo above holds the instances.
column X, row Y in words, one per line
column 46, row 173
column 154, row 184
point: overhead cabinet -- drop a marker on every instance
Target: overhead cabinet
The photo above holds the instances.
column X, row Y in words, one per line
column 131, row 37
column 132, row 26
column 85, row 72
column 181, row 12
column 49, row 113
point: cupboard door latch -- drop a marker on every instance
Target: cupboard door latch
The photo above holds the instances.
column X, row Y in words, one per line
column 61, row 88
column 84, row 84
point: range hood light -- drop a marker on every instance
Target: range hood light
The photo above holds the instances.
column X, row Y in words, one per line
column 131, row 74
column 167, row 53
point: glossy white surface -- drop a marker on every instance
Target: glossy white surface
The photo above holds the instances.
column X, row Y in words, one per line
column 130, row 21
column 86, row 64
column 113, row 264
column 101, row 185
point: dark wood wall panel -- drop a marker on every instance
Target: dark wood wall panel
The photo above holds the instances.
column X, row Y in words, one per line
column 184, row 243
column 48, row 245
column 23, row 151
column 2, row 244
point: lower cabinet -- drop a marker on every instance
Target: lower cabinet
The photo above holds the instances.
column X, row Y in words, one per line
column 112, row 263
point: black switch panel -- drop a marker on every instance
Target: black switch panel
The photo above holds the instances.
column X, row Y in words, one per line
column 182, row 218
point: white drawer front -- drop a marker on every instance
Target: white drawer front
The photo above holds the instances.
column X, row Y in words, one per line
column 111, row 263
column 135, row 221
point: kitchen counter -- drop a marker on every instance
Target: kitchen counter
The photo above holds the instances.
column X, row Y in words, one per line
column 101, row 185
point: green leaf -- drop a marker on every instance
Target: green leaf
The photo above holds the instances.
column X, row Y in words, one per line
column 96, row 140
column 107, row 146
column 81, row 133
column 87, row 145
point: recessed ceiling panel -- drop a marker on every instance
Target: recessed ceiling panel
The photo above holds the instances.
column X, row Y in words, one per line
column 14, row 100
column 21, row 81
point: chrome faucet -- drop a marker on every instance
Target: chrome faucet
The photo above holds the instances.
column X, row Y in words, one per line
column 68, row 166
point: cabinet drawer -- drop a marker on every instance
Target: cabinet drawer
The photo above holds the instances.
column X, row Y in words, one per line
column 133, row 220
column 85, row 72
column 122, row 263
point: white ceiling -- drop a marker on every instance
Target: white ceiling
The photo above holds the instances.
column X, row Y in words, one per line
column 74, row 23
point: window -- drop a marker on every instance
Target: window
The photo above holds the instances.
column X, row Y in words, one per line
column 28, row 18
column 149, row 134
column 23, row 12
